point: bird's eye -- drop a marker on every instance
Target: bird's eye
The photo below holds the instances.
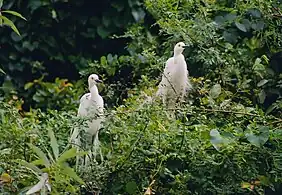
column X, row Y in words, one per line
column 179, row 45
column 92, row 78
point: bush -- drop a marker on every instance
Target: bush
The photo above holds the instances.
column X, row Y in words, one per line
column 223, row 140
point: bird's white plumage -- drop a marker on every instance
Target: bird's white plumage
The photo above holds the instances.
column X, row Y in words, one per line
column 91, row 107
column 175, row 82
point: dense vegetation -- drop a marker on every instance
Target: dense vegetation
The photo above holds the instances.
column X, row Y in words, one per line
column 225, row 139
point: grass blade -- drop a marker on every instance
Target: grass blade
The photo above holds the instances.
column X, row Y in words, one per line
column 14, row 13
column 71, row 173
column 54, row 143
column 11, row 24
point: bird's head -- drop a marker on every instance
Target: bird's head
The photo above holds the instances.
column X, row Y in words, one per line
column 93, row 79
column 179, row 48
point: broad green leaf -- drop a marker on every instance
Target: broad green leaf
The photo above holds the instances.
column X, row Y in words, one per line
column 216, row 139
column 262, row 82
column 11, row 24
column 215, row 91
column 1, row 3
column 247, row 24
column 40, row 154
column 230, row 37
column 219, row 20
column 241, row 26
column 255, row 12
column 258, row 26
column 258, row 139
column 131, row 187
column 14, row 13
column 71, row 153
column 71, row 173
column 230, row 17
column 54, row 143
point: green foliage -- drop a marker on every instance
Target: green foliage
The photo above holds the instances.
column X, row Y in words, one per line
column 208, row 149
column 5, row 21
column 227, row 42
column 61, row 94
column 55, row 165
column 68, row 35
column 225, row 139
column 21, row 138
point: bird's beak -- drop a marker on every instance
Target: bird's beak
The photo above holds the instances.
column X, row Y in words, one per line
column 185, row 46
column 98, row 81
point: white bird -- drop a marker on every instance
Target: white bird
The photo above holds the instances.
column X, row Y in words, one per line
column 175, row 82
column 91, row 107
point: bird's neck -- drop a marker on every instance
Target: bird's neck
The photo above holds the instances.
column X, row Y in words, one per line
column 176, row 56
column 94, row 91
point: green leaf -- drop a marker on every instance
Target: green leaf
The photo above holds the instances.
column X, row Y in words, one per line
column 255, row 12
column 271, row 108
column 2, row 71
column 28, row 85
column 230, row 37
column 216, row 139
column 215, row 91
column 262, row 82
column 106, row 20
column 30, row 166
column 230, row 16
column 11, row 24
column 71, row 173
column 131, row 187
column 40, row 154
column 138, row 14
column 103, row 61
column 102, row 32
column 71, row 153
column 14, row 13
column 260, row 139
column 262, row 96
column 245, row 185
column 54, row 143
column 1, row 3
column 241, row 26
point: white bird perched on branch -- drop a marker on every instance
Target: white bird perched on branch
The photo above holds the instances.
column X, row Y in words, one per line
column 92, row 107
column 175, row 82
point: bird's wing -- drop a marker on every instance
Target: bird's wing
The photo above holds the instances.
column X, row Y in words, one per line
column 84, row 104
column 100, row 104
column 188, row 85
column 169, row 65
column 165, row 76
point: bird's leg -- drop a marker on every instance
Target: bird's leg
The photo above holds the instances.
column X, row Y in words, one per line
column 96, row 144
